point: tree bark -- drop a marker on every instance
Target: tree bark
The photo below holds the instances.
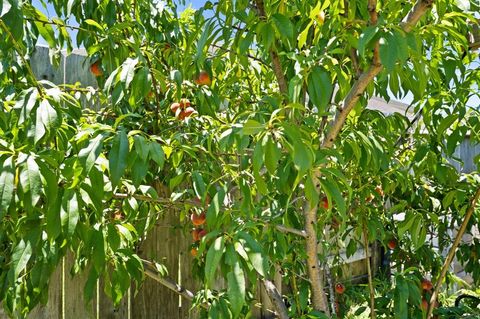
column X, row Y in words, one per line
column 451, row 252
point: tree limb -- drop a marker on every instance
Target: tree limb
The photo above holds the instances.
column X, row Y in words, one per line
column 276, row 299
column 319, row 298
column 416, row 13
column 276, row 64
column 451, row 252
column 367, row 77
column 372, row 10
column 152, row 272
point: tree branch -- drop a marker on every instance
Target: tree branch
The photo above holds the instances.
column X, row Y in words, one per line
column 276, row 299
column 372, row 10
column 316, row 279
column 416, row 13
column 367, row 77
column 277, row 65
column 369, row 272
column 451, row 252
column 152, row 272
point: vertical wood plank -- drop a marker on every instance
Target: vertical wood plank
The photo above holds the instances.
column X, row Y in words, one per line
column 154, row 301
column 53, row 308
column 74, row 302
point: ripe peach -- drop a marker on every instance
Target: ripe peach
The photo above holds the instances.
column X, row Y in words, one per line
column 339, row 288
column 198, row 234
column 202, row 233
column 392, row 243
column 424, row 304
column 184, row 103
column 198, row 220
column 427, row 284
column 203, row 78
column 174, row 107
column 369, row 198
column 96, row 69
column 324, row 203
column 189, row 111
column 379, row 191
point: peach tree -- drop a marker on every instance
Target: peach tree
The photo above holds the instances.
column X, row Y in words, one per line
column 255, row 113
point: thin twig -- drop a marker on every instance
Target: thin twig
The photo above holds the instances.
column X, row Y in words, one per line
column 152, row 272
column 247, row 55
column 369, row 272
column 451, row 252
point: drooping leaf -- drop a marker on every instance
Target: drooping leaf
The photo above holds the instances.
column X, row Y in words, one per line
column 284, row 26
column 236, row 288
column 117, row 157
column 7, row 176
column 255, row 253
column 320, row 88
column 199, row 185
column 214, row 255
column 88, row 155
column 31, row 183
column 70, row 212
column 20, row 256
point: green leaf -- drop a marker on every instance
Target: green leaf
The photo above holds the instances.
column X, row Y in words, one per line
column 128, row 71
column 214, row 255
column 141, row 85
column 47, row 119
column 251, row 127
column 88, row 155
column 255, row 253
column 198, row 185
column 310, row 192
column 302, row 37
column 446, row 123
column 388, row 51
column 320, row 88
column 31, row 183
column 400, row 299
column 70, row 212
column 45, row 29
column 302, row 157
column 7, row 184
column 284, row 26
column 118, row 157
column 53, row 216
column 95, row 24
column 272, row 154
column 406, row 224
column 236, row 288
column 20, row 256
column 142, row 148
column 330, row 186
column 156, row 154
column 268, row 35
column 365, row 38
